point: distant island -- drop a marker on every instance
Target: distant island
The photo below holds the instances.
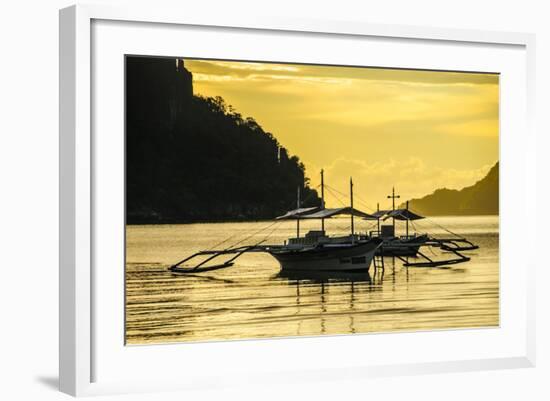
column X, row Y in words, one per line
column 191, row 158
column 478, row 199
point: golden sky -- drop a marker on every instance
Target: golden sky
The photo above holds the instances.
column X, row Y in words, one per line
column 415, row 130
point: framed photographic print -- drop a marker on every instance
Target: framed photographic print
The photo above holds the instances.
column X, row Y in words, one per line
column 229, row 236
column 237, row 192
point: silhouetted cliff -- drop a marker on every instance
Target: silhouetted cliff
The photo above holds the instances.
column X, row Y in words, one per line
column 478, row 199
column 190, row 158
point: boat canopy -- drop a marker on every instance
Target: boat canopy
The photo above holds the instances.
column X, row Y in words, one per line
column 297, row 213
column 402, row 214
column 378, row 214
column 328, row 213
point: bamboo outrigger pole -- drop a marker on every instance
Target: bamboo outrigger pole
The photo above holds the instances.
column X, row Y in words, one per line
column 393, row 197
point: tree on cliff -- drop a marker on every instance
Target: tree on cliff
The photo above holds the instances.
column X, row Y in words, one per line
column 191, row 158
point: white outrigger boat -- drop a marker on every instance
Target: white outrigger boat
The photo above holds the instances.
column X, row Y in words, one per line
column 409, row 245
column 393, row 245
column 314, row 251
column 320, row 252
column 328, row 254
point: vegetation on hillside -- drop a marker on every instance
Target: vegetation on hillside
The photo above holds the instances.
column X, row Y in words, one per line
column 478, row 199
column 204, row 163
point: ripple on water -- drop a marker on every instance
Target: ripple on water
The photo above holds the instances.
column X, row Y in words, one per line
column 253, row 300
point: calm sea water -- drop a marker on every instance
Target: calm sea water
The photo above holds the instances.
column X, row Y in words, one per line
column 253, row 299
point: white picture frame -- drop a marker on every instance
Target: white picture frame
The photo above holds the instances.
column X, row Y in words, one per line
column 79, row 343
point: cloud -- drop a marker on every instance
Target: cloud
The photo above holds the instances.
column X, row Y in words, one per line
column 245, row 66
column 442, row 102
column 376, row 105
column 411, row 178
column 300, row 72
column 417, row 130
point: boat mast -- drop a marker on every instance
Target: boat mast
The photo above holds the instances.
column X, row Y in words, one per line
column 393, row 197
column 351, row 204
column 298, row 215
column 378, row 217
column 407, row 220
column 322, row 198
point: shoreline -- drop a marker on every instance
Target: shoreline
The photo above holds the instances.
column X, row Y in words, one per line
column 187, row 222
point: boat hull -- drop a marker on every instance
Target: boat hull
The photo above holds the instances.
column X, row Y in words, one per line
column 399, row 247
column 344, row 257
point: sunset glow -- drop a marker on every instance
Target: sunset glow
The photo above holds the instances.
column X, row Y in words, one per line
column 415, row 130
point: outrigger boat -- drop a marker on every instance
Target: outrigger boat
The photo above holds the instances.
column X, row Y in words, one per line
column 409, row 245
column 392, row 245
column 316, row 251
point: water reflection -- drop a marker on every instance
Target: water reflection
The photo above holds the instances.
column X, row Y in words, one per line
column 320, row 277
column 331, row 285
column 201, row 277
column 254, row 299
